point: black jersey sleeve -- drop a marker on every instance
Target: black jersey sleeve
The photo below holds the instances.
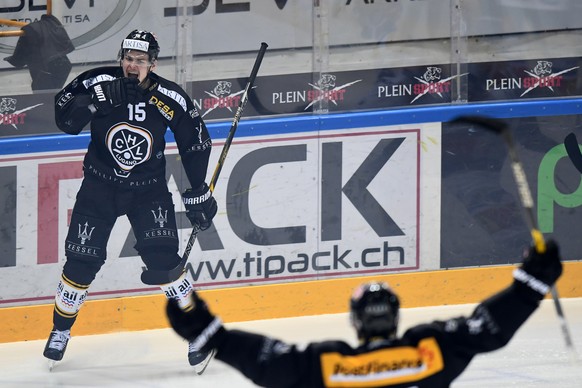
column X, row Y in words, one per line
column 193, row 141
column 491, row 325
column 72, row 111
column 266, row 361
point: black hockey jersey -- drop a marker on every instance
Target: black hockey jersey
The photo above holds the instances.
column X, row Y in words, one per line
column 430, row 355
column 127, row 145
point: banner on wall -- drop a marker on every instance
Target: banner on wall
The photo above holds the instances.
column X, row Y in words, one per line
column 339, row 91
column 517, row 80
column 25, row 115
column 331, row 92
column 292, row 207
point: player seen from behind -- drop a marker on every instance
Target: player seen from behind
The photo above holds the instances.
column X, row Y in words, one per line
column 129, row 108
column 428, row 355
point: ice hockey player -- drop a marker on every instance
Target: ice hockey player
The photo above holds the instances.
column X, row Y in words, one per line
column 129, row 109
column 428, row 355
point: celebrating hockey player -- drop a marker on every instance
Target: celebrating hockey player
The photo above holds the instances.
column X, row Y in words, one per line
column 129, row 108
column 428, row 355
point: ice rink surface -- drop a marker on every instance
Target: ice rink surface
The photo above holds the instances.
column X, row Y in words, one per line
column 536, row 356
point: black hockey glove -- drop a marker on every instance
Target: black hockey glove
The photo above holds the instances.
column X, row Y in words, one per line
column 539, row 271
column 111, row 94
column 198, row 325
column 201, row 207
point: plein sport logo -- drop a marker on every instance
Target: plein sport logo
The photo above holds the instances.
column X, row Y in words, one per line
column 9, row 115
column 130, row 146
column 429, row 83
column 221, row 97
column 326, row 90
column 542, row 76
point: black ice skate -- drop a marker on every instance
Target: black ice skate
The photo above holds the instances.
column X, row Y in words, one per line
column 56, row 345
column 199, row 360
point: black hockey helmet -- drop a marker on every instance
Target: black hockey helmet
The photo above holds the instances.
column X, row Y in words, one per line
column 140, row 41
column 374, row 311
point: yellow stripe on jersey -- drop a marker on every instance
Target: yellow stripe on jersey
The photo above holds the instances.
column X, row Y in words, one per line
column 73, row 284
column 65, row 314
column 388, row 366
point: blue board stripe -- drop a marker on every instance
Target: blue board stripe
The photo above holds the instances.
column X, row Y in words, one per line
column 311, row 123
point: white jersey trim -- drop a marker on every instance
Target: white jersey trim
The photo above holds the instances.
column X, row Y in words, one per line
column 174, row 96
column 95, row 80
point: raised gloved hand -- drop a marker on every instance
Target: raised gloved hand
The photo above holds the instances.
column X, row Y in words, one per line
column 539, row 271
column 198, row 325
column 111, row 94
column 201, row 207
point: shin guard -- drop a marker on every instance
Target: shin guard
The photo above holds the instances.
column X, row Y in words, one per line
column 180, row 290
column 68, row 301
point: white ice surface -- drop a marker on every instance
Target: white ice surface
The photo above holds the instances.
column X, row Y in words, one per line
column 536, row 357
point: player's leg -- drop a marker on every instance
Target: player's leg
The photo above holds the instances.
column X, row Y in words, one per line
column 85, row 249
column 69, row 299
column 154, row 222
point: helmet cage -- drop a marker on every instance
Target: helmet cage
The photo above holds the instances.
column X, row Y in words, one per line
column 374, row 311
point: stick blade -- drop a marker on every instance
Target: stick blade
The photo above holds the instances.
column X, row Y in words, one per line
column 153, row 277
column 496, row 125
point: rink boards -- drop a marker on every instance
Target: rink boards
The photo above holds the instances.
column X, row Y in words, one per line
column 293, row 236
column 432, row 288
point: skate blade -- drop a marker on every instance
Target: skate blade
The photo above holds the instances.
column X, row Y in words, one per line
column 200, row 368
column 51, row 365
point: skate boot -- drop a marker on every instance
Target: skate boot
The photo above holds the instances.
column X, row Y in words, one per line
column 198, row 359
column 56, row 345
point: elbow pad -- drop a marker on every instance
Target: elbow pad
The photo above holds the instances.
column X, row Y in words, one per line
column 72, row 116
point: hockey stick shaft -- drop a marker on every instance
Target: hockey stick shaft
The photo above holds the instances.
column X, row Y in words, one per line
column 537, row 236
column 527, row 203
column 238, row 114
column 153, row 277
column 524, row 192
column 228, row 141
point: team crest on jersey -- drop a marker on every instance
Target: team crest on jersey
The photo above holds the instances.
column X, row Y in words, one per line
column 129, row 145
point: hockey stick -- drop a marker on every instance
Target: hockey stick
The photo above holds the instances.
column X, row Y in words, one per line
column 500, row 127
column 573, row 151
column 154, row 277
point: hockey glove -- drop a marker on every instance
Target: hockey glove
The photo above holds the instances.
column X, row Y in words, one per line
column 200, row 206
column 199, row 326
column 539, row 271
column 111, row 94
